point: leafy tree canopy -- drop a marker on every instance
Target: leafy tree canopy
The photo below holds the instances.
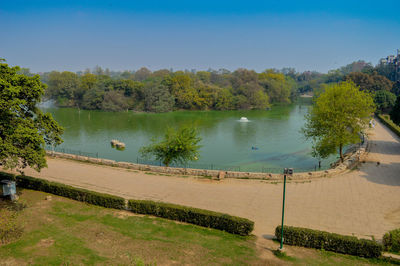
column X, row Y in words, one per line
column 370, row 83
column 24, row 129
column 338, row 116
column 178, row 146
column 395, row 113
column 384, row 100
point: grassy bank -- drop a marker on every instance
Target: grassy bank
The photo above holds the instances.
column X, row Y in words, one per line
column 64, row 231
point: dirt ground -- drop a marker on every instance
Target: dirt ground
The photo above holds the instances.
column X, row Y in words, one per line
column 363, row 202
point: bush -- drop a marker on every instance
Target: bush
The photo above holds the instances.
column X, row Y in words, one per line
column 95, row 198
column 390, row 124
column 391, row 241
column 225, row 222
column 231, row 224
column 309, row 238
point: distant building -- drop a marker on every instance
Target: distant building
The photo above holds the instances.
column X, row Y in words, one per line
column 391, row 59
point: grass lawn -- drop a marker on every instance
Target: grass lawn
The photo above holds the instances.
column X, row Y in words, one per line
column 63, row 231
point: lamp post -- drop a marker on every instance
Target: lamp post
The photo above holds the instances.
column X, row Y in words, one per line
column 286, row 171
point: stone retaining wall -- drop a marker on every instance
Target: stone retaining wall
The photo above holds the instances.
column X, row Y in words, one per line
column 352, row 158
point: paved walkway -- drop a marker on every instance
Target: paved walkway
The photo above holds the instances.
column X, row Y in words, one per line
column 363, row 202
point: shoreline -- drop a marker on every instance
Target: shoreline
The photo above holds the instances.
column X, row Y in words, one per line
column 351, row 160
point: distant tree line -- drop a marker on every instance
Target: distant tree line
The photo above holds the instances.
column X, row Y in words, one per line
column 165, row 90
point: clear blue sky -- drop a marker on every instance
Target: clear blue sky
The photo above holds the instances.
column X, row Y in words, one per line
column 307, row 35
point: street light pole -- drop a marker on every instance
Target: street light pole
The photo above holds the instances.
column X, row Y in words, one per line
column 286, row 171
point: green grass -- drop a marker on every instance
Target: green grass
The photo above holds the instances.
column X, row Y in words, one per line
column 74, row 229
column 63, row 231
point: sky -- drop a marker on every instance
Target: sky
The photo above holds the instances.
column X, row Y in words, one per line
column 126, row 35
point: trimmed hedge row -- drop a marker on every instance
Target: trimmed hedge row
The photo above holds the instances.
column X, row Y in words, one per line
column 309, row 238
column 205, row 218
column 224, row 222
column 95, row 198
column 389, row 123
column 391, row 241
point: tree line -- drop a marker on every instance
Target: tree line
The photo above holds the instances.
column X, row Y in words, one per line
column 165, row 90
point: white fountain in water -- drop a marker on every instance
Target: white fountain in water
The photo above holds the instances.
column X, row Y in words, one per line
column 243, row 119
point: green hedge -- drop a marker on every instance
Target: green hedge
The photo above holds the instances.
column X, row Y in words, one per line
column 225, row 222
column 231, row 224
column 391, row 240
column 95, row 198
column 309, row 238
column 389, row 123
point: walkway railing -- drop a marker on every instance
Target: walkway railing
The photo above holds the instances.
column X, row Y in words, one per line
column 233, row 168
column 75, row 152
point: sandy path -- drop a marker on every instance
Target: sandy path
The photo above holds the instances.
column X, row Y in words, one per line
column 363, row 202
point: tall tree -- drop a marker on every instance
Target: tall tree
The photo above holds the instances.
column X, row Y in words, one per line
column 337, row 118
column 142, row 74
column 24, row 129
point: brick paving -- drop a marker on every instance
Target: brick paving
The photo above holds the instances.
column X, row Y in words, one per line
column 363, row 202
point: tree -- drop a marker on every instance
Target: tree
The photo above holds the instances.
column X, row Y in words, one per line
column 157, row 98
column 114, row 101
column 396, row 88
column 63, row 86
column 370, row 83
column 92, row 99
column 395, row 113
column 88, row 81
column 178, row 146
column 181, row 87
column 142, row 74
column 337, row 118
column 224, row 100
column 384, row 100
column 24, row 129
column 276, row 86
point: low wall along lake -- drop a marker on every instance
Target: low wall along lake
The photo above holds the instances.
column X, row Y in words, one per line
column 270, row 141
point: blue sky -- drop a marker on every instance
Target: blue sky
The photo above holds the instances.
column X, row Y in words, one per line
column 307, row 35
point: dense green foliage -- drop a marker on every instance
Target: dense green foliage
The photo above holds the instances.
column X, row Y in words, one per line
column 24, row 129
column 90, row 197
column 370, row 82
column 178, row 146
column 384, row 101
column 164, row 90
column 309, row 238
column 389, row 123
column 395, row 113
column 337, row 118
column 391, row 241
column 231, row 224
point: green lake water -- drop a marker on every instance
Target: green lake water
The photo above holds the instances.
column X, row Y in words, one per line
column 226, row 142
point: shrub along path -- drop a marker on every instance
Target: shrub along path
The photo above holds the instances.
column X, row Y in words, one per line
column 364, row 202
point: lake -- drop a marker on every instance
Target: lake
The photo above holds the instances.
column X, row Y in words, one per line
column 226, row 142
